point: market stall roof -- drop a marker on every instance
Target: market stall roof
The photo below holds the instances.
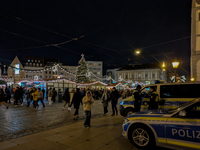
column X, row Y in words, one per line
column 92, row 83
column 46, row 80
column 114, row 84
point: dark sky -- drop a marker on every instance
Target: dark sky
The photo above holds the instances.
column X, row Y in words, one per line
column 107, row 30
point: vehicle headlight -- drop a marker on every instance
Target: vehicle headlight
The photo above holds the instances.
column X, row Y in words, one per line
column 125, row 121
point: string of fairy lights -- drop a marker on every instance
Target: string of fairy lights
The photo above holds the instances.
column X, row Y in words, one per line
column 53, row 68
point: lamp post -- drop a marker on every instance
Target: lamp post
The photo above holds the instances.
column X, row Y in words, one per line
column 192, row 79
column 175, row 65
column 137, row 52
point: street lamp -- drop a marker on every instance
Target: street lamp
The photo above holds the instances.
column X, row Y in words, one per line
column 138, row 51
column 175, row 65
column 192, row 79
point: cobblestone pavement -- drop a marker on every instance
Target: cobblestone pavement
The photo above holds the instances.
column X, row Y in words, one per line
column 20, row 121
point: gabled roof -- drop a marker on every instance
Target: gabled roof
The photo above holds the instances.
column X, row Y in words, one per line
column 14, row 62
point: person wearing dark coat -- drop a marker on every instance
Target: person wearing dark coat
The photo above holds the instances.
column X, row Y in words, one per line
column 66, row 98
column 54, row 95
column 2, row 98
column 8, row 94
column 76, row 100
column 17, row 97
column 114, row 97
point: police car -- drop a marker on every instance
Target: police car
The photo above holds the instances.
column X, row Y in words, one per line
column 165, row 127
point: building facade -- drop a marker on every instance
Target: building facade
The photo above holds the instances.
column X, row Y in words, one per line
column 143, row 73
column 15, row 70
column 195, row 40
column 96, row 67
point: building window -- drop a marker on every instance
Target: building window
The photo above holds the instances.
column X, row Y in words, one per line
column 30, row 64
column 40, row 76
column 39, row 61
column 26, row 76
column 139, row 76
column 29, row 60
column 49, row 72
column 153, row 75
column 126, row 76
column 53, row 72
column 46, row 77
column 35, row 60
column 132, row 76
column 40, row 65
column 146, row 75
column 26, row 64
column 46, row 72
column 37, row 65
column 49, row 76
column 34, row 64
column 99, row 64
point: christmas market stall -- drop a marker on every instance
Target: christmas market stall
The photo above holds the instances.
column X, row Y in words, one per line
column 92, row 85
column 118, row 86
column 60, row 84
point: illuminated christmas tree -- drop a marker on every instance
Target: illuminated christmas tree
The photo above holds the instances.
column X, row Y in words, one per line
column 82, row 71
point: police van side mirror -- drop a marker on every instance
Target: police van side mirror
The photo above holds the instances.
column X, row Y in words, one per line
column 182, row 113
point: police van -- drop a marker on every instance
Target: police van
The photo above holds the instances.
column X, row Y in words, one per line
column 172, row 128
column 170, row 95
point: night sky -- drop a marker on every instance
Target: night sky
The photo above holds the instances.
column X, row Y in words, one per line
column 104, row 30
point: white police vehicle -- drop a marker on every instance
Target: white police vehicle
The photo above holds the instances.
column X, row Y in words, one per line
column 165, row 127
column 170, row 95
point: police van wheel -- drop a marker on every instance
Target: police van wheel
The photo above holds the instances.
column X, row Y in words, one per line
column 141, row 137
column 128, row 112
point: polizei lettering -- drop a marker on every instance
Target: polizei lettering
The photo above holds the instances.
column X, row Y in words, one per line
column 186, row 133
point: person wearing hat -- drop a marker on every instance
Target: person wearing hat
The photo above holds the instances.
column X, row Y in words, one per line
column 153, row 99
column 137, row 98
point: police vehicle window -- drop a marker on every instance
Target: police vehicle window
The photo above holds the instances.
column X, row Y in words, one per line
column 192, row 111
column 146, row 92
column 180, row 91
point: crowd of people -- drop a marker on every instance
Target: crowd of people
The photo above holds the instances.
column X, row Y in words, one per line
column 75, row 98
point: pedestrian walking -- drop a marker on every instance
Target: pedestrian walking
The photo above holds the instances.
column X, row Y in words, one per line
column 8, row 94
column 50, row 94
column 105, row 98
column 137, row 98
column 21, row 94
column 88, row 102
column 2, row 98
column 34, row 94
column 54, row 95
column 40, row 97
column 76, row 100
column 43, row 91
column 66, row 98
column 153, row 99
column 114, row 98
column 71, row 97
column 29, row 97
column 17, row 97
